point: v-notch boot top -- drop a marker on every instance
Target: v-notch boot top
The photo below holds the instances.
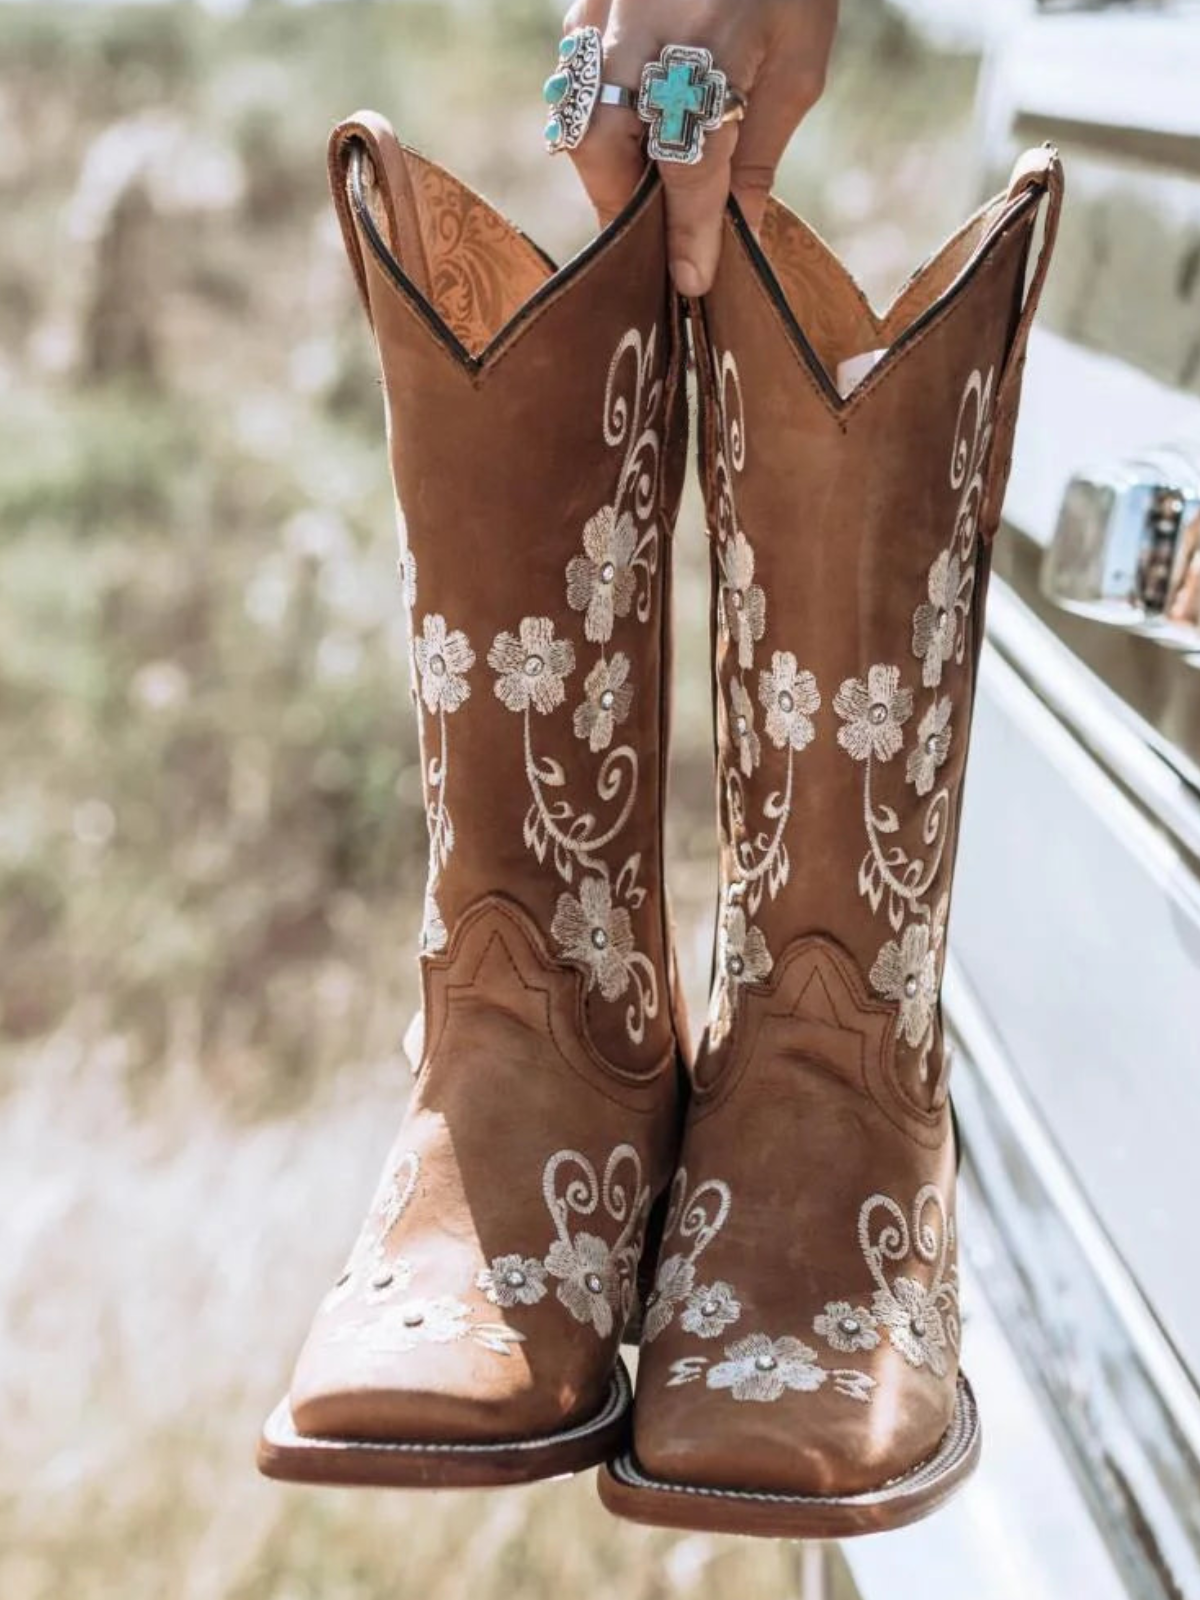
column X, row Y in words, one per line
column 800, row 1366
column 536, row 422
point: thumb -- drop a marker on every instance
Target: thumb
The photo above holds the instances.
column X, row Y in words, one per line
column 696, row 197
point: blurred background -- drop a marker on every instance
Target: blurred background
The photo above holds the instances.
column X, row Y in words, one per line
column 211, row 837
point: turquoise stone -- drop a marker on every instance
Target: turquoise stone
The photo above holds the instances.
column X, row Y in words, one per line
column 552, row 132
column 568, row 47
column 555, row 87
column 675, row 95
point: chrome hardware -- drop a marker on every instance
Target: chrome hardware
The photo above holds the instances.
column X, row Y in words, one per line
column 1126, row 550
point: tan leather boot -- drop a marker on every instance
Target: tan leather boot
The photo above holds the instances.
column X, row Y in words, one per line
column 537, row 429
column 800, row 1362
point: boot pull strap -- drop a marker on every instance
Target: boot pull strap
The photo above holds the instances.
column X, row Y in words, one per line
column 368, row 131
column 1036, row 171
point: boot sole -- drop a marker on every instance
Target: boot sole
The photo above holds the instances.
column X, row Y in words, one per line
column 627, row 1491
column 294, row 1457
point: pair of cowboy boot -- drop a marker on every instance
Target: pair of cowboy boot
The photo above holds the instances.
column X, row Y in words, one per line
column 777, row 1214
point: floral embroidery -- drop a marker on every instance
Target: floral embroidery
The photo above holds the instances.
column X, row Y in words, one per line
column 377, row 1277
column 846, row 1327
column 709, row 1311
column 407, row 568
column 789, row 698
column 756, row 860
column 873, row 714
column 907, row 973
column 742, row 605
column 593, row 931
column 532, row 666
column 513, row 1280
column 596, row 1280
column 696, row 1219
column 891, row 876
column 602, row 582
column 613, row 578
column 763, row 1369
column 433, row 928
column 932, row 748
column 609, row 697
column 935, row 624
column 443, row 660
column 922, row 1321
column 741, row 718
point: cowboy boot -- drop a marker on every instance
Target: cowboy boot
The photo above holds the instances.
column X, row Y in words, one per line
column 537, row 427
column 800, row 1373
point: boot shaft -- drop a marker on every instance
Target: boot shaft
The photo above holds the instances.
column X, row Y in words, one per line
column 850, row 542
column 537, row 446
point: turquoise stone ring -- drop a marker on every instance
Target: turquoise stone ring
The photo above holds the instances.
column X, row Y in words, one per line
column 573, row 89
column 683, row 97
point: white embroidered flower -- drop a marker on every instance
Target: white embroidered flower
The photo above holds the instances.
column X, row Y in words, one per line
column 407, row 568
column 741, row 727
column 672, row 1283
column 443, row 660
column 419, row 1321
column 759, row 1368
column 384, row 1279
column 609, row 697
column 585, row 1270
column 433, row 929
column 932, row 747
column 907, row 973
column 873, row 714
column 601, row 582
column 914, row 1324
column 934, row 624
column 593, row 931
column 789, row 697
column 743, row 953
column 847, row 1327
column 742, row 606
column 710, row 1310
column 513, row 1281
column 531, row 666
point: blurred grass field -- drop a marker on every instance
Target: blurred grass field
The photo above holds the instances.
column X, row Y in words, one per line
column 211, row 838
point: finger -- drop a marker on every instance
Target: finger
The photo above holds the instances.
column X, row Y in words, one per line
column 696, row 198
column 610, row 160
column 789, row 83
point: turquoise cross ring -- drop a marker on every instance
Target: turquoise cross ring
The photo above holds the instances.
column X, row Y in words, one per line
column 683, row 97
column 574, row 89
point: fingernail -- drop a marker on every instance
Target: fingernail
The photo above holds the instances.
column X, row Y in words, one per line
column 688, row 278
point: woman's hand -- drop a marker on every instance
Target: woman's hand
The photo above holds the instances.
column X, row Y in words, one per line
column 775, row 51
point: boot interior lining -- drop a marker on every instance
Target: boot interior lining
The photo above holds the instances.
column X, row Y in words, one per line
column 838, row 320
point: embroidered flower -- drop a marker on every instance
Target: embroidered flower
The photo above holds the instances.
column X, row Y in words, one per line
column 873, row 714
column 847, row 1327
column 609, row 697
column 932, row 748
column 914, row 1324
column 513, row 1281
column 743, row 953
column 907, row 973
column 710, row 1310
column 672, row 1283
column 601, row 582
column 443, row 660
column 741, row 726
column 742, row 604
column 934, row 624
column 384, row 1279
column 407, row 568
column 759, row 1368
column 592, row 930
column 585, row 1271
column 531, row 666
column 433, row 929
column 788, row 696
